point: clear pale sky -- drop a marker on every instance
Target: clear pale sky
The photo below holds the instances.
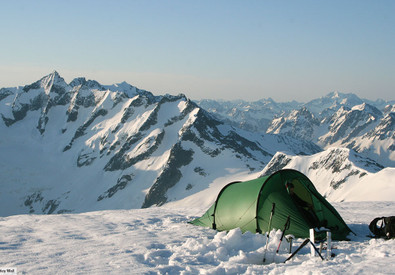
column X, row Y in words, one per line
column 205, row 49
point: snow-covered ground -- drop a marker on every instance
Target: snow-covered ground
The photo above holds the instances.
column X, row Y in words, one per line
column 159, row 240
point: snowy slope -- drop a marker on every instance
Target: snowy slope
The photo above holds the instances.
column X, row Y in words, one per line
column 159, row 241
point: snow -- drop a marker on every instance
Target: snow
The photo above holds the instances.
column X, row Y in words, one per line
column 382, row 180
column 145, row 144
column 160, row 241
column 124, row 87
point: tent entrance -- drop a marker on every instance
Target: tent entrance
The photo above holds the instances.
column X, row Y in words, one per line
column 302, row 192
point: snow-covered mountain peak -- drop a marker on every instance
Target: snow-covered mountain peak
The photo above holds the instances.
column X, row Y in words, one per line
column 386, row 128
column 123, row 87
column 299, row 124
column 50, row 83
column 84, row 84
column 77, row 81
column 302, row 113
column 54, row 76
column 389, row 109
column 359, row 107
column 344, row 98
column 333, row 95
column 328, row 104
column 365, row 107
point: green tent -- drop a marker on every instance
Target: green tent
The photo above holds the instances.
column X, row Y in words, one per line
column 247, row 205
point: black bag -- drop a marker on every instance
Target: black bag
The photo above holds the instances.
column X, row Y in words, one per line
column 383, row 227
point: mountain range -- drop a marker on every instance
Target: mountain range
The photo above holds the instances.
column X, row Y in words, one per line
column 83, row 146
column 335, row 120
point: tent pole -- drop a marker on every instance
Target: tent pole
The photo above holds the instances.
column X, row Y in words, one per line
column 268, row 231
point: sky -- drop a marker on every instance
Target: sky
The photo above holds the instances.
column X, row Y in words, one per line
column 282, row 49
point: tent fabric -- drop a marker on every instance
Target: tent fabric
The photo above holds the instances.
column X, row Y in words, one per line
column 247, row 205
